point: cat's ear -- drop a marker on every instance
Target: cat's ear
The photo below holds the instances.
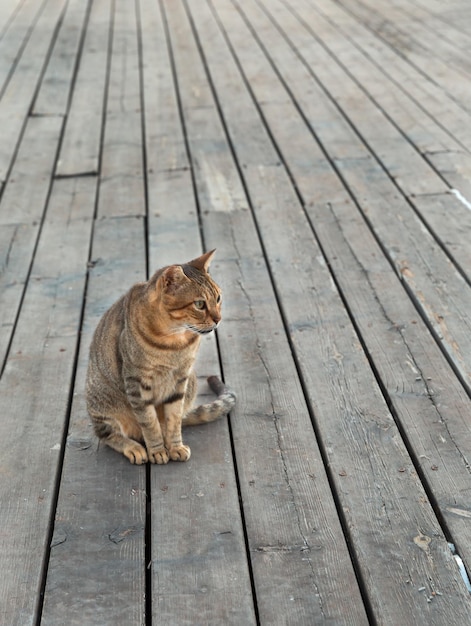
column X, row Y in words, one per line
column 173, row 278
column 203, row 262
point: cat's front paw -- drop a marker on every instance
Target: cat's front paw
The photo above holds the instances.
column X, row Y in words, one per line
column 180, row 453
column 158, row 455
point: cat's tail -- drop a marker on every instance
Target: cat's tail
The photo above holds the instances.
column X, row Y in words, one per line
column 204, row 413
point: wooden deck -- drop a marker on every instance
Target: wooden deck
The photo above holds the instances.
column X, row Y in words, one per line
column 323, row 147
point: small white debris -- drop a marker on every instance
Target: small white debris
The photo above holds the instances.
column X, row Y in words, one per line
column 461, row 198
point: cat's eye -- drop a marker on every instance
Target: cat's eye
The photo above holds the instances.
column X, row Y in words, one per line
column 218, row 299
column 200, row 304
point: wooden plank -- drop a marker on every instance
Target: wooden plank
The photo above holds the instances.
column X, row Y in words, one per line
column 165, row 143
column 8, row 11
column 456, row 168
column 430, row 404
column 416, row 15
column 25, row 194
column 19, row 93
column 449, row 217
column 296, row 544
column 442, row 42
column 16, row 24
column 404, row 164
column 407, row 79
column 425, row 355
column 122, row 187
column 96, row 573
column 81, row 144
column 34, row 397
column 22, row 207
column 332, row 29
column 438, row 290
column 16, row 240
column 198, row 541
column 405, row 45
column 324, row 356
column 54, row 92
column 197, row 535
column 364, row 449
column 456, row 14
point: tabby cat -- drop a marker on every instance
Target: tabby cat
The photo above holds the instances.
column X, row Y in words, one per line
column 140, row 383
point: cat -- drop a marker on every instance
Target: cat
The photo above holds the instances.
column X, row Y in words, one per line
column 140, row 383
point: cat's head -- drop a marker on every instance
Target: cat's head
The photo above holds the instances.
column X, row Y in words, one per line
column 191, row 298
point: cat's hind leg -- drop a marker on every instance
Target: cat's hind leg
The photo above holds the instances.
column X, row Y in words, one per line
column 117, row 440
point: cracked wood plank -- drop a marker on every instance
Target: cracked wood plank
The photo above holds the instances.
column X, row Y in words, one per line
column 198, row 544
column 34, row 397
column 432, row 280
column 286, row 496
column 431, row 405
column 98, row 542
column 331, row 363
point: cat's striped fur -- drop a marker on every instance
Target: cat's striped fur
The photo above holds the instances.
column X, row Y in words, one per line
column 140, row 380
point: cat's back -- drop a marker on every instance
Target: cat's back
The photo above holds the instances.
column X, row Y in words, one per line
column 104, row 374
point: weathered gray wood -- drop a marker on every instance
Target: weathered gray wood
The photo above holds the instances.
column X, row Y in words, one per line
column 34, row 396
column 324, row 359
column 331, row 99
column 15, row 27
column 19, row 93
column 96, row 572
column 449, row 217
column 25, row 194
column 456, row 168
column 407, row 79
column 295, row 541
column 165, row 144
column 412, row 120
column 197, row 534
column 15, row 242
column 372, row 124
column 452, row 13
column 414, row 51
column 8, row 10
column 198, row 541
column 81, row 144
column 22, row 207
column 122, row 185
column 53, row 95
column 361, row 439
column 442, row 44
column 430, row 404
column 439, row 291
column 413, row 15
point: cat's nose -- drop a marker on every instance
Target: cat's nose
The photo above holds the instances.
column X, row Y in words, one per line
column 216, row 318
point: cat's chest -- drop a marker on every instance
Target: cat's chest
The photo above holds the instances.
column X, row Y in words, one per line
column 167, row 376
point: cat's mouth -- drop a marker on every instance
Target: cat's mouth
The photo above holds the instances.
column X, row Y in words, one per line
column 200, row 331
